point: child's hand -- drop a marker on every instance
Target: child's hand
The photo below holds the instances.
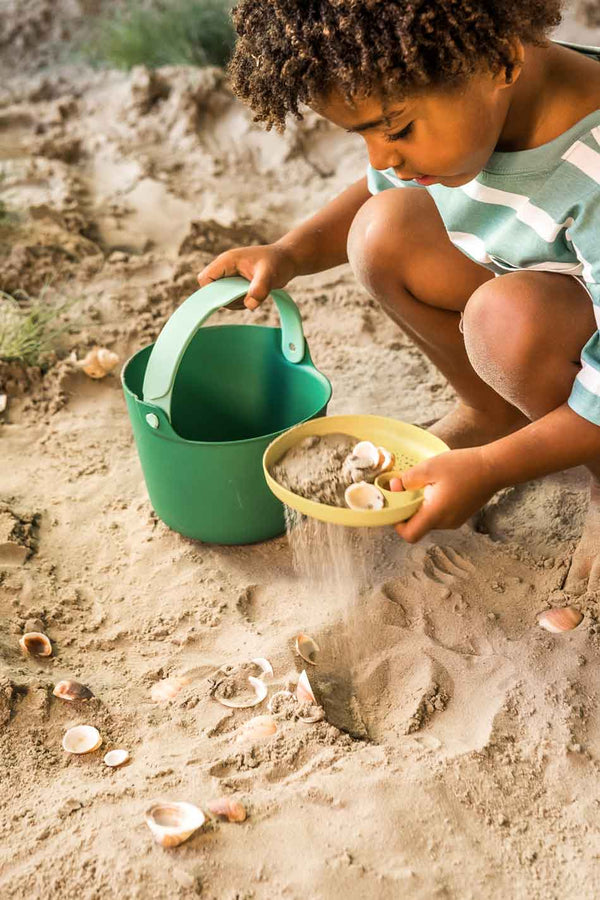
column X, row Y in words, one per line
column 266, row 267
column 456, row 484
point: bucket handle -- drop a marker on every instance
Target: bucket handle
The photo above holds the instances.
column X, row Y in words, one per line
column 177, row 333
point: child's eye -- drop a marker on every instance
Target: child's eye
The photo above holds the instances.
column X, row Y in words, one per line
column 400, row 134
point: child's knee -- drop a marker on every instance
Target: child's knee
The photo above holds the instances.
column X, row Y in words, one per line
column 370, row 242
column 500, row 333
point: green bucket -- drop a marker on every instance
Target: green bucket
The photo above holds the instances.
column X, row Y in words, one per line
column 204, row 405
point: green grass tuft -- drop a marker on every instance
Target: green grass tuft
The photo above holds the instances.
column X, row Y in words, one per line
column 31, row 328
column 181, row 32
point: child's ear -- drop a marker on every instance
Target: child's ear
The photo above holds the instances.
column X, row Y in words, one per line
column 512, row 70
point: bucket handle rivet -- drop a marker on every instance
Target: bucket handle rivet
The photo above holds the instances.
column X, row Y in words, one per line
column 152, row 420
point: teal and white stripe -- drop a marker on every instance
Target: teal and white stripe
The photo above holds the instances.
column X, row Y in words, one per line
column 534, row 209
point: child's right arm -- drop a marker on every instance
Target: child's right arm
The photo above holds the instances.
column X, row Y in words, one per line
column 315, row 245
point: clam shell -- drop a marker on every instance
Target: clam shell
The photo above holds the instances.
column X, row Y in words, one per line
column 304, row 692
column 316, row 715
column 3, row 402
column 265, row 665
column 229, row 809
column 115, row 758
column 387, row 460
column 560, row 619
column 173, row 823
column 363, row 496
column 307, row 648
column 260, row 692
column 167, row 689
column 276, row 698
column 258, row 729
column 72, row 690
column 35, row 643
column 98, row 362
column 365, row 455
column 81, row 739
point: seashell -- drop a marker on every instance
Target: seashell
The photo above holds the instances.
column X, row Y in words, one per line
column 365, row 455
column 561, row 619
column 317, row 715
column 167, row 689
column 115, row 758
column 98, row 362
column 387, row 460
column 173, row 823
column 307, row 648
column 35, row 643
column 276, row 699
column 229, row 809
column 363, row 496
column 304, row 692
column 258, row 729
column 3, row 402
column 81, row 739
column 265, row 665
column 72, row 690
column 260, row 692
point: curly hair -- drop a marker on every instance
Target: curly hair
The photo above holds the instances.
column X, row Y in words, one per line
column 291, row 52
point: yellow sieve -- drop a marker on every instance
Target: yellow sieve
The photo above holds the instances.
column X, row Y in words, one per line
column 409, row 444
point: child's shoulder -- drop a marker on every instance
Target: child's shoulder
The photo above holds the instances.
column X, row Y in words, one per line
column 574, row 79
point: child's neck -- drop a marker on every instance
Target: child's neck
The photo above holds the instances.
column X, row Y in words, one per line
column 557, row 87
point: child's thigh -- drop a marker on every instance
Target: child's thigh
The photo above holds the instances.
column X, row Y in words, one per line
column 398, row 238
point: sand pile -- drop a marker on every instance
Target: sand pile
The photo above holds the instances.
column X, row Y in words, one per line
column 459, row 751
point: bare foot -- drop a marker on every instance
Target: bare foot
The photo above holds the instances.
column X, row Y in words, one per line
column 467, row 427
column 584, row 573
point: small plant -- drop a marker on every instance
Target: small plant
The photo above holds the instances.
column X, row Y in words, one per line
column 30, row 328
column 182, row 32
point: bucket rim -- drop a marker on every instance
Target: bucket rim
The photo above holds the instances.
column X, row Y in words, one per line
column 258, row 439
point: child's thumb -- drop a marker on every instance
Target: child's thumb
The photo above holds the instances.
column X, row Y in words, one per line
column 411, row 479
column 259, row 288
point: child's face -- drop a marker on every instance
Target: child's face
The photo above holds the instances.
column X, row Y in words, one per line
column 447, row 135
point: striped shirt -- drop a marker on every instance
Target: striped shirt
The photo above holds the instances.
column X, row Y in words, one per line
column 535, row 209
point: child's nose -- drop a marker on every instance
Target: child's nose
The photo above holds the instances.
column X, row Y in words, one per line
column 382, row 157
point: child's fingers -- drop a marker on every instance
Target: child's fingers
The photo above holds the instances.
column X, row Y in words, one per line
column 221, row 267
column 260, row 286
column 417, row 526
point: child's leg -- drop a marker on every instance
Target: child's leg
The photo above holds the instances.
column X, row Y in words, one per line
column 524, row 333
column 399, row 250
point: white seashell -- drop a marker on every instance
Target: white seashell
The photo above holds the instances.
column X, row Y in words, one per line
column 98, row 362
column 36, row 644
column 363, row 496
column 317, row 716
column 167, row 689
column 81, row 739
column 72, row 690
column 276, row 698
column 386, row 462
column 258, row 729
column 365, row 455
column 260, row 692
column 304, row 692
column 173, row 823
column 307, row 648
column 115, row 758
column 561, row 619
column 265, row 665
column 3, row 402
column 229, row 809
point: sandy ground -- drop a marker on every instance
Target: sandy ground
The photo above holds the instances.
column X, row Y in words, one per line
column 471, row 769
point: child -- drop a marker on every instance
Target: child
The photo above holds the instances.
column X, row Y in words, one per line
column 477, row 226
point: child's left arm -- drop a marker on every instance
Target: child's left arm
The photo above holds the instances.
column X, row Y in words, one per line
column 460, row 482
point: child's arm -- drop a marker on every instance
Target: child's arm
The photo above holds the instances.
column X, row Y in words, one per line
column 316, row 245
column 458, row 483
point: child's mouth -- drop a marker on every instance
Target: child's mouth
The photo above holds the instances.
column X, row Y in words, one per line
column 426, row 179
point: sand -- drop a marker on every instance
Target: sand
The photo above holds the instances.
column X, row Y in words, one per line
column 459, row 753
